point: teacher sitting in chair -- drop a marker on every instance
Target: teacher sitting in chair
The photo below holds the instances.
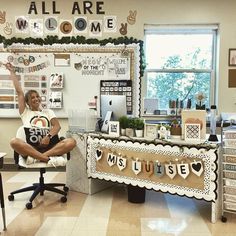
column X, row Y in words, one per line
column 44, row 144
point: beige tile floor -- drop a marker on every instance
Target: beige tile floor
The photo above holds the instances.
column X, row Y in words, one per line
column 106, row 213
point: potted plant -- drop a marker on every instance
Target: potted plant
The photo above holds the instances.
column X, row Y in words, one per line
column 123, row 124
column 200, row 97
column 138, row 126
column 130, row 127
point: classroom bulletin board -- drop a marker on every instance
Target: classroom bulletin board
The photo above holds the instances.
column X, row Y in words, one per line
column 67, row 77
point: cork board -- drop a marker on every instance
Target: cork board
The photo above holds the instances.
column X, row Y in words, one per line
column 232, row 78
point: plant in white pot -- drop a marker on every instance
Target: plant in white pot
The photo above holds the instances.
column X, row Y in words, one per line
column 130, row 129
column 138, row 126
column 123, row 124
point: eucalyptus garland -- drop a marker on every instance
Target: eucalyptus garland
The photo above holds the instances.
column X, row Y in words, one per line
column 50, row 40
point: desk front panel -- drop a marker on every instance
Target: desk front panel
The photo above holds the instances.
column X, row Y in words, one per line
column 178, row 169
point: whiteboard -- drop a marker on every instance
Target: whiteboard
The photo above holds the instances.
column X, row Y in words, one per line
column 82, row 68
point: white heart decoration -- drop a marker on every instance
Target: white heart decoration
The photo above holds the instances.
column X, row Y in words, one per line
column 98, row 154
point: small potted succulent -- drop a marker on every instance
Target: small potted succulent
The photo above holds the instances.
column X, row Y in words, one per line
column 138, row 126
column 124, row 122
column 130, row 127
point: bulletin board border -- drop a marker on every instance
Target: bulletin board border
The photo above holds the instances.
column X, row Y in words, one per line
column 131, row 50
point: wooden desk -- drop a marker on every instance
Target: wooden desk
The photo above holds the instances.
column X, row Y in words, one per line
column 129, row 161
column 2, row 154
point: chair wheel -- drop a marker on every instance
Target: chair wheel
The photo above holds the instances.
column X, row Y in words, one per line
column 11, row 197
column 223, row 219
column 65, row 188
column 63, row 199
column 29, row 205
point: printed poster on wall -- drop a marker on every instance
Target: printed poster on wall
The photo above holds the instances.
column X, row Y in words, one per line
column 110, row 66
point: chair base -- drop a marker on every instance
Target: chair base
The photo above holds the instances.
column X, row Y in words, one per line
column 39, row 188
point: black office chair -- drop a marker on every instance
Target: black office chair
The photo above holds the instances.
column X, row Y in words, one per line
column 41, row 186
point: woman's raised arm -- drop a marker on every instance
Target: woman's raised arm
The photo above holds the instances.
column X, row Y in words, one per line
column 18, row 88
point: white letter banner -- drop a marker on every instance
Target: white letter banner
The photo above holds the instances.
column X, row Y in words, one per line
column 159, row 169
column 121, row 162
column 111, row 159
column 98, row 154
column 136, row 166
column 197, row 168
column 148, row 167
column 171, row 170
column 183, row 170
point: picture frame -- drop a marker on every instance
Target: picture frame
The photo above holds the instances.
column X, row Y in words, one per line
column 114, row 128
column 61, row 59
column 56, row 80
column 194, row 117
column 192, row 132
column 232, row 57
column 150, row 131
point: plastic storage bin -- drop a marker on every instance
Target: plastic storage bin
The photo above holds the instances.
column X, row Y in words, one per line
column 230, row 198
column 230, row 158
column 230, row 175
column 230, row 151
column 82, row 120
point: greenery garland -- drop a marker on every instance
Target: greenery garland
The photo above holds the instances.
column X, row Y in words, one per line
column 49, row 40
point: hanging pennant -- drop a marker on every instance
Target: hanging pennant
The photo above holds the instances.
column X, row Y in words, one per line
column 98, row 154
column 136, row 166
column 111, row 159
column 171, row 170
column 197, row 168
column 159, row 169
column 121, row 163
column 148, row 167
column 183, row 170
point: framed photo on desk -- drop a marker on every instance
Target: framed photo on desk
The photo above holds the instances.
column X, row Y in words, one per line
column 150, row 131
column 114, row 128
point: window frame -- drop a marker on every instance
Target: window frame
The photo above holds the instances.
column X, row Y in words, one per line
column 193, row 29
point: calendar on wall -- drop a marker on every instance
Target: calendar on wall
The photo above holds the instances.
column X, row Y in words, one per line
column 118, row 87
